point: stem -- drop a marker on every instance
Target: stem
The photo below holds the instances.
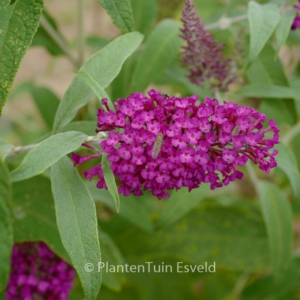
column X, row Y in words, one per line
column 81, row 38
column 90, row 139
column 59, row 41
column 225, row 22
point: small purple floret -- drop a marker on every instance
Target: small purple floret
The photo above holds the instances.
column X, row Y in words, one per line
column 38, row 273
column 202, row 143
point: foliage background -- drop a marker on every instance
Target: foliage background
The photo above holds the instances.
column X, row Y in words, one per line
column 247, row 228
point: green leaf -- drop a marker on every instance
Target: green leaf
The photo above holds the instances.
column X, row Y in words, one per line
column 278, row 219
column 281, row 110
column 287, row 162
column 46, row 102
column 161, row 49
column 265, row 288
column 6, row 232
column 44, row 39
column 284, row 27
column 77, row 224
column 180, row 203
column 144, row 14
column 18, row 24
column 4, row 149
column 120, row 12
column 97, row 89
column 132, row 208
column 110, row 181
column 212, row 233
column 267, row 91
column 86, row 127
column 96, row 42
column 47, row 153
column 176, row 76
column 34, row 214
column 112, row 256
column 103, row 66
column 120, row 87
column 263, row 20
column 267, row 69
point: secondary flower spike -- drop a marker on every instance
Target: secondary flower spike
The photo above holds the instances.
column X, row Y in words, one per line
column 199, row 143
column 296, row 22
column 38, row 273
column 202, row 56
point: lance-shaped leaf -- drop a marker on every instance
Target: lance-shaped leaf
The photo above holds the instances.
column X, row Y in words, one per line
column 120, row 12
column 268, row 91
column 161, row 49
column 110, row 181
column 77, row 224
column 19, row 21
column 181, row 203
column 263, row 20
column 6, row 232
column 97, row 89
column 132, row 209
column 103, row 67
column 213, row 233
column 112, row 256
column 284, row 27
column 278, row 219
column 144, row 14
column 287, row 162
column 47, row 153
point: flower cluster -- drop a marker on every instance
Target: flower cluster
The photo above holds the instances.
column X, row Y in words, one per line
column 201, row 55
column 296, row 22
column 203, row 142
column 38, row 273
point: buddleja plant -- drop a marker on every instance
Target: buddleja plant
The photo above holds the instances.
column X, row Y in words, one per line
column 192, row 113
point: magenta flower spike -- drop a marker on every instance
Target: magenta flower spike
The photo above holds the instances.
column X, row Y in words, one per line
column 200, row 143
column 38, row 273
column 202, row 56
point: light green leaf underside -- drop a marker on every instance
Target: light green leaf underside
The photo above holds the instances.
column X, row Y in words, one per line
column 161, row 49
column 103, row 67
column 47, row 153
column 77, row 223
column 120, row 12
column 6, row 231
column 278, row 219
column 18, row 24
